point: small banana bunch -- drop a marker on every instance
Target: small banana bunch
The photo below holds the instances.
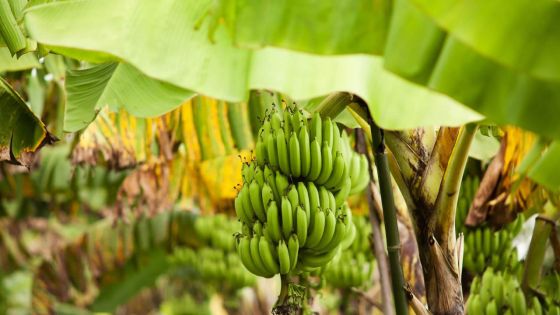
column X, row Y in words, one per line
column 215, row 266
column 355, row 265
column 500, row 293
column 292, row 203
column 485, row 247
column 216, row 231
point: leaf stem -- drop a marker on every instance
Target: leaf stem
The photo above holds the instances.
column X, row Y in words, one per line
column 389, row 215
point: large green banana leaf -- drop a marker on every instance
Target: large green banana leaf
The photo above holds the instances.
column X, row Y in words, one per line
column 521, row 34
column 21, row 132
column 161, row 41
column 116, row 86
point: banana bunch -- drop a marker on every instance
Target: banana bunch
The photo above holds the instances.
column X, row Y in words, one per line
column 349, row 270
column 500, row 293
column 215, row 266
column 216, row 231
column 355, row 265
column 293, row 201
column 485, row 247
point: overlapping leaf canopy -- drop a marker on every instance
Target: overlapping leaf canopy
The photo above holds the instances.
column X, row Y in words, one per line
column 415, row 62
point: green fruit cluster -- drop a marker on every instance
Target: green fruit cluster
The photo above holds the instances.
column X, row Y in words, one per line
column 484, row 246
column 292, row 203
column 216, row 231
column 355, row 265
column 215, row 259
column 215, row 266
column 500, row 293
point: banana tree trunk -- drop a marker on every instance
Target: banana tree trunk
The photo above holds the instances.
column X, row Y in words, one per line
column 428, row 167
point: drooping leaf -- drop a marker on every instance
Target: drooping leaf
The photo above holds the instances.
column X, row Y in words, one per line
column 535, row 47
column 117, row 86
column 21, row 132
column 224, row 71
column 9, row 63
column 445, row 64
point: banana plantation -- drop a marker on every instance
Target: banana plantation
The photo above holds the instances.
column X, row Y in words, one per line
column 279, row 157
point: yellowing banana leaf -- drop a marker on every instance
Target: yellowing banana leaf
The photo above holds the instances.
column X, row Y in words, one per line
column 117, row 86
column 9, row 63
column 221, row 175
column 142, row 32
column 523, row 35
column 21, row 132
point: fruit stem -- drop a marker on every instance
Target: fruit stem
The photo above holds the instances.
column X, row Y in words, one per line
column 389, row 214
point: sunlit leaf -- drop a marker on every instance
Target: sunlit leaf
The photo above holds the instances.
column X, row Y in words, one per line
column 224, row 71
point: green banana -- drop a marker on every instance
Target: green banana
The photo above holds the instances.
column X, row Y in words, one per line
column 328, row 232
column 325, row 198
column 267, row 195
column 328, row 132
column 259, row 175
column 315, row 233
column 293, row 250
column 273, row 222
column 316, row 128
column 266, row 252
column 314, row 202
column 275, row 121
column 327, row 164
column 270, row 179
column 282, row 151
column 343, row 193
column 295, row 155
column 271, row 151
column 256, row 257
column 316, row 160
column 338, row 235
column 338, row 172
column 260, row 151
column 256, row 200
column 305, row 151
column 283, row 257
column 363, row 178
column 293, row 196
column 240, row 211
column 309, row 260
column 282, row 183
column 304, row 199
column 301, row 225
column 246, row 202
column 287, row 217
column 244, row 251
column 257, row 228
column 287, row 123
